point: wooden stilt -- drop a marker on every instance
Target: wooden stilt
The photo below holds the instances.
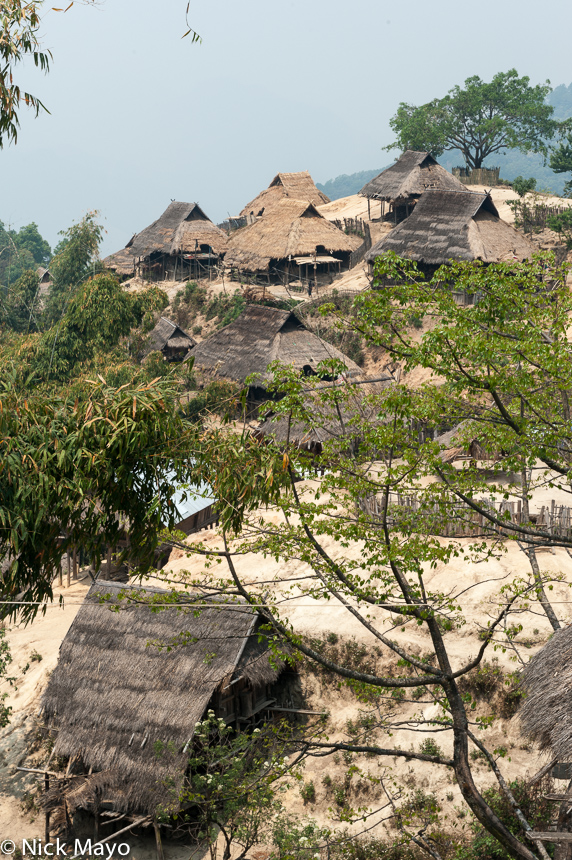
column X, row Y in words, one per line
column 96, row 823
column 75, row 566
column 108, row 569
column 60, row 575
column 160, row 855
column 368, row 209
column 47, row 820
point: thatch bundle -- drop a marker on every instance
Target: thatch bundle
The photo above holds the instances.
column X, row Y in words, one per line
column 405, row 181
column 546, row 713
column 182, row 229
column 454, row 225
column 259, row 336
column 168, row 338
column 129, row 708
column 299, row 186
column 293, row 228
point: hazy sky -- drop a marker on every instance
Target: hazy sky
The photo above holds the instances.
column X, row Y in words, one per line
column 140, row 116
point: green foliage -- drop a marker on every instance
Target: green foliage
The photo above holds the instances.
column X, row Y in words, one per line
column 523, row 186
column 5, row 660
column 74, row 260
column 225, row 308
column 19, row 41
column 62, row 451
column 430, row 747
column 308, row 792
column 538, row 811
column 20, row 309
column 562, row 224
column 216, row 397
column 561, row 160
column 479, row 119
column 234, row 779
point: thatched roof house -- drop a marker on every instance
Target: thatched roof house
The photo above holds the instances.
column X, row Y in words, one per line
column 546, row 712
column 294, row 236
column 127, row 709
column 297, row 186
column 181, row 243
column 402, row 184
column 454, row 225
column 167, row 337
column 259, row 336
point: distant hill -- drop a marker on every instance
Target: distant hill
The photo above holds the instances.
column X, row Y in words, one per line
column 511, row 162
column 347, row 184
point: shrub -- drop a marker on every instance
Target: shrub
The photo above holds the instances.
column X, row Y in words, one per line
column 308, row 792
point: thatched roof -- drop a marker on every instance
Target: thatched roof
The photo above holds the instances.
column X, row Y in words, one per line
column 299, row 186
column 546, row 712
column 167, row 334
column 412, row 174
column 114, row 696
column 454, row 225
column 293, row 228
column 261, row 335
column 325, row 422
column 181, row 229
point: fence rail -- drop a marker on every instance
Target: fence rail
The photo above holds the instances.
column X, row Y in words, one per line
column 461, row 521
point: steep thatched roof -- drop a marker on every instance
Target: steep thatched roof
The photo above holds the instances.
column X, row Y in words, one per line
column 182, row 228
column 546, row 712
column 293, row 228
column 114, row 696
column 299, row 186
column 167, row 334
column 261, row 335
column 454, row 225
column 412, row 174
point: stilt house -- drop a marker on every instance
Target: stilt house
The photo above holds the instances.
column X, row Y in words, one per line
column 182, row 243
column 296, row 186
column 123, row 710
column 402, row 184
column 169, row 339
column 293, row 241
column 453, row 225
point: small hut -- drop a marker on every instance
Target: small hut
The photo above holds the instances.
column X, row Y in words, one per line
column 259, row 336
column 402, row 184
column 124, row 710
column 182, row 243
column 297, row 186
column 293, row 241
column 169, row 339
column 44, row 275
column 454, row 225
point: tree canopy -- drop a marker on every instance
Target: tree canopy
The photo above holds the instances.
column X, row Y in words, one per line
column 479, row 119
column 561, row 161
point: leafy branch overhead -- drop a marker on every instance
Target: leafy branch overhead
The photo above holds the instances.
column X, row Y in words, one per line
column 20, row 41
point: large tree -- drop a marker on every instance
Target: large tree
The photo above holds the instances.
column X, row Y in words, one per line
column 479, row 119
column 561, row 160
column 391, row 507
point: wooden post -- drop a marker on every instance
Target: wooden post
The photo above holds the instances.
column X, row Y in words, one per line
column 68, row 583
column 60, row 574
column 75, row 565
column 368, row 209
column 47, row 821
column 160, row 855
column 108, row 569
column 96, row 822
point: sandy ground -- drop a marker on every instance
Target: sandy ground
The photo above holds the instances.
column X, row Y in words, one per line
column 477, row 584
